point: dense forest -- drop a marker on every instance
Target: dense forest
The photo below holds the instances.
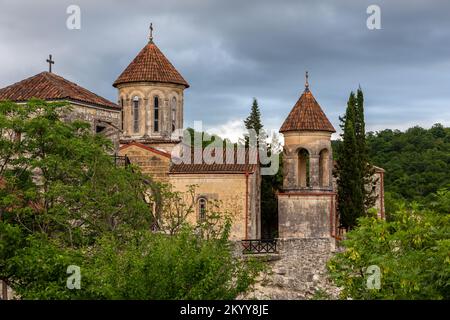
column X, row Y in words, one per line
column 417, row 161
column 410, row 248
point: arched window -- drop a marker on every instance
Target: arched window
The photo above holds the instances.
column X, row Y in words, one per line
column 174, row 113
column 202, row 209
column 303, row 168
column 156, row 114
column 324, row 174
column 136, row 114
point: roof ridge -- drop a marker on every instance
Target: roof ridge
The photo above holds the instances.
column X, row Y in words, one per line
column 50, row 86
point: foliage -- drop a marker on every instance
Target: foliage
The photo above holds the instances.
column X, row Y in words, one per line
column 204, row 139
column 270, row 184
column 417, row 161
column 182, row 266
column 58, row 178
column 146, row 266
column 253, row 121
column 348, row 169
column 63, row 201
column 412, row 251
column 366, row 169
column 354, row 171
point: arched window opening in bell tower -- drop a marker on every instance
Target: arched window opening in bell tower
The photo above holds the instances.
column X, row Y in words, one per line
column 136, row 114
column 156, row 114
column 202, row 209
column 303, row 168
column 174, row 113
column 324, row 172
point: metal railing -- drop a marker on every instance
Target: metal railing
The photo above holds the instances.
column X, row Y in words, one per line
column 121, row 161
column 259, row 246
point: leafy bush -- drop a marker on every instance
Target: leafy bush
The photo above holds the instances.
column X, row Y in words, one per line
column 64, row 202
column 412, row 251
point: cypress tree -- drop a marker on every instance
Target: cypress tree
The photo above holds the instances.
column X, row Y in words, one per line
column 366, row 169
column 348, row 169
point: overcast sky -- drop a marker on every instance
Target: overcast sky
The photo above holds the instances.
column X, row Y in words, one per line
column 231, row 51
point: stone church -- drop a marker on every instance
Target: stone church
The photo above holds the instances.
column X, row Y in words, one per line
column 150, row 109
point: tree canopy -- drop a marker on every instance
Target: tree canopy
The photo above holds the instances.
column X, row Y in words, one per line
column 64, row 202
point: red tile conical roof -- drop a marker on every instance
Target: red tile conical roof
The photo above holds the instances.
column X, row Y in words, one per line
column 307, row 115
column 49, row 86
column 151, row 65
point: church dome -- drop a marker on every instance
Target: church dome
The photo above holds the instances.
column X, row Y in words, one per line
column 150, row 65
column 307, row 115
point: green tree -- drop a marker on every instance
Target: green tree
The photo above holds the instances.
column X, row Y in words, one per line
column 270, row 184
column 366, row 169
column 253, row 121
column 63, row 201
column 348, row 170
column 411, row 250
column 417, row 161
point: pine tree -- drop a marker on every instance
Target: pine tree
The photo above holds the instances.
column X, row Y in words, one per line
column 348, row 172
column 253, row 121
column 269, row 184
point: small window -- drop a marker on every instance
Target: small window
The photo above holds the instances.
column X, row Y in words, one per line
column 303, row 168
column 136, row 114
column 156, row 114
column 202, row 209
column 100, row 129
column 174, row 113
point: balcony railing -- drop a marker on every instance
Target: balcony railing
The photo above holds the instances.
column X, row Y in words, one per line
column 259, row 246
column 121, row 161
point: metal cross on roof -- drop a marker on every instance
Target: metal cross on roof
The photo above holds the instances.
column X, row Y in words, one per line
column 151, row 32
column 306, row 81
column 50, row 62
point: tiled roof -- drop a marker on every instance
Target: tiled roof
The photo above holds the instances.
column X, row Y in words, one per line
column 151, row 65
column 148, row 141
column 307, row 115
column 143, row 146
column 49, row 86
column 198, row 164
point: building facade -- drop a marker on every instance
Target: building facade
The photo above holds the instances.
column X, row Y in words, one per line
column 306, row 204
column 103, row 115
column 146, row 125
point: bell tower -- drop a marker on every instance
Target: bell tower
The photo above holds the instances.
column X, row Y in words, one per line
column 151, row 94
column 306, row 204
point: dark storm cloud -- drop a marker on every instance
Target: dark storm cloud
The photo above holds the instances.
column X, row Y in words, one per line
column 231, row 51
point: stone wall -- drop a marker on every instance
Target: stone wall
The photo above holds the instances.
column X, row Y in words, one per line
column 145, row 93
column 306, row 215
column 109, row 119
column 297, row 272
column 230, row 190
column 11, row 294
column 151, row 163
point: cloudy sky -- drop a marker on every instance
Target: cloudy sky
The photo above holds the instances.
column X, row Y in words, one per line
column 232, row 50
